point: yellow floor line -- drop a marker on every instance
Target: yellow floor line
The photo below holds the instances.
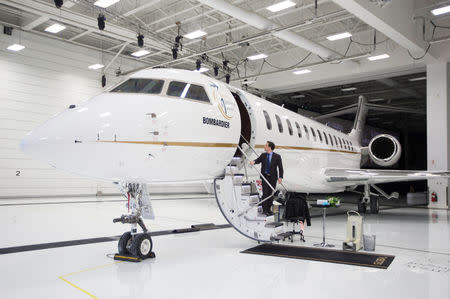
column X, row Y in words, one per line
column 82, row 271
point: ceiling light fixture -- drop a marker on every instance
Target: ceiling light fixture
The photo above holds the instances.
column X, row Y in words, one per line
column 59, row 3
column 216, row 70
column 140, row 40
column 339, row 36
column 301, row 72
column 441, row 10
column 298, row 96
column 257, row 56
column 101, row 21
column 328, row 105
column 202, row 70
column 140, row 53
column 378, row 57
column 227, row 78
column 349, row 89
column 105, row 3
column 96, row 66
column 55, row 28
column 417, row 79
column 280, row 6
column 195, row 34
column 16, row 47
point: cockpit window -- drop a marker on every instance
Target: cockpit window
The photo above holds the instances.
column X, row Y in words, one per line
column 135, row 85
column 188, row 91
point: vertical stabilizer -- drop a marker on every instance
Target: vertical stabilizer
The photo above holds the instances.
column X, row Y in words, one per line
column 360, row 119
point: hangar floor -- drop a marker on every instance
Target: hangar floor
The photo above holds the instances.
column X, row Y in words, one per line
column 208, row 264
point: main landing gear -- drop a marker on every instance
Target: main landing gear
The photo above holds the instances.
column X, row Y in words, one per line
column 372, row 201
column 134, row 246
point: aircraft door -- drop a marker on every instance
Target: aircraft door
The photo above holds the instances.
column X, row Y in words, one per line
column 247, row 129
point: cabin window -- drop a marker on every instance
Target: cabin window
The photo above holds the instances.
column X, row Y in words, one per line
column 187, row 91
column 135, row 85
column 280, row 125
column 320, row 136
column 326, row 139
column 298, row 130
column 313, row 134
column 268, row 121
column 348, row 144
column 306, row 132
column 351, row 145
column 289, row 127
column 331, row 140
column 335, row 141
column 340, row 141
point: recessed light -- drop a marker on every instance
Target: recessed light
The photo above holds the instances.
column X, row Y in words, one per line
column 195, row 34
column 378, row 57
column 328, row 105
column 417, row 79
column 16, row 47
column 376, row 100
column 301, row 72
column 96, row 66
column 349, row 89
column 441, row 10
column 339, row 36
column 257, row 56
column 298, row 96
column 140, row 53
column 280, row 6
column 55, row 28
column 105, row 3
column 202, row 70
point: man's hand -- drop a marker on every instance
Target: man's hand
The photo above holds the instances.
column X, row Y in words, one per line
column 280, row 180
column 252, row 163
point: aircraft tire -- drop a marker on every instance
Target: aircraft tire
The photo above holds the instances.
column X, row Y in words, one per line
column 374, row 205
column 142, row 245
column 361, row 207
column 125, row 243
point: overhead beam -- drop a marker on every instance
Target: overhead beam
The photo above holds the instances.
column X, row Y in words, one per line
column 265, row 24
column 81, row 34
column 35, row 23
column 79, row 20
column 394, row 20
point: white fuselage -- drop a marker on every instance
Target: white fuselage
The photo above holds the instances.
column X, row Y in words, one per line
column 156, row 138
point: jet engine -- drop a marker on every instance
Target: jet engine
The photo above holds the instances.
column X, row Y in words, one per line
column 384, row 150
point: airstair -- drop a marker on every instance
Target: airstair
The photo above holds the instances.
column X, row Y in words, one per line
column 240, row 204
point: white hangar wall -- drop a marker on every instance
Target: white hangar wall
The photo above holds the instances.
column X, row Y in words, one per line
column 36, row 83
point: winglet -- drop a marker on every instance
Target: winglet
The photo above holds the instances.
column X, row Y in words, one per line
column 360, row 119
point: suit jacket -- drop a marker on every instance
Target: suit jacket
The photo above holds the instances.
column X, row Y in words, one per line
column 274, row 163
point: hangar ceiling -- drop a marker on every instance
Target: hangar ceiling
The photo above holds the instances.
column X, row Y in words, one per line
column 293, row 39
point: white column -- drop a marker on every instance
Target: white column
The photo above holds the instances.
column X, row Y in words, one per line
column 438, row 132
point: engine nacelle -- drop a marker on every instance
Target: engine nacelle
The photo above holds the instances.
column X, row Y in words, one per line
column 385, row 150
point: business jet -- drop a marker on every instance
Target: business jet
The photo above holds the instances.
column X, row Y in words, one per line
column 171, row 125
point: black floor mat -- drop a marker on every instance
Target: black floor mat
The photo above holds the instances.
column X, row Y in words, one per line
column 381, row 261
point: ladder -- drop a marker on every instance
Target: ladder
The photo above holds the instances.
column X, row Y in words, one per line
column 239, row 204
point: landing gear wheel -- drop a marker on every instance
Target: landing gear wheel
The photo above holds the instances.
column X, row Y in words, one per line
column 142, row 245
column 374, row 205
column 361, row 207
column 125, row 243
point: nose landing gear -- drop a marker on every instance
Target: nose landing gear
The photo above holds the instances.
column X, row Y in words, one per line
column 134, row 246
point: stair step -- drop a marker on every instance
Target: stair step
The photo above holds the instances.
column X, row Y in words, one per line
column 235, row 161
column 246, row 189
column 238, row 178
column 274, row 224
column 252, row 198
column 231, row 170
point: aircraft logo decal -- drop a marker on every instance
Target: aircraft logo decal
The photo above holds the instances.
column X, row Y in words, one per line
column 222, row 103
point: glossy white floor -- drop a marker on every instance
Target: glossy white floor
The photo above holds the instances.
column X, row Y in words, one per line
column 208, row 264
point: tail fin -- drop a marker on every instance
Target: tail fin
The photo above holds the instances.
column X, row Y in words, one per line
column 360, row 119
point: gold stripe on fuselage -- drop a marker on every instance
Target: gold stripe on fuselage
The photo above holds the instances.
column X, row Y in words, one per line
column 211, row 144
column 302, row 148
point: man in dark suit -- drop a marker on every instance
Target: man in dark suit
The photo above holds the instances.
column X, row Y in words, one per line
column 270, row 161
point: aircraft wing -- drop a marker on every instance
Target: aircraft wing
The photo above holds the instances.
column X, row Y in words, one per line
column 374, row 176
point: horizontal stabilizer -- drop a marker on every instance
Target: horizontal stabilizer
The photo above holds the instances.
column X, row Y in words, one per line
column 373, row 176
